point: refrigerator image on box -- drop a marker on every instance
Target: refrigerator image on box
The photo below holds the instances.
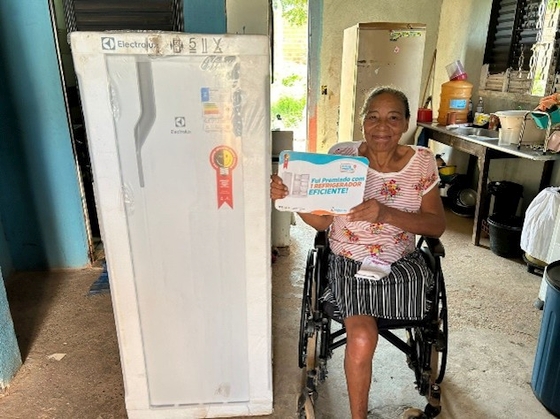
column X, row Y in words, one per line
column 179, row 133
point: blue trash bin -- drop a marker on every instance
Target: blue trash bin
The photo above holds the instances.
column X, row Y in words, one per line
column 546, row 371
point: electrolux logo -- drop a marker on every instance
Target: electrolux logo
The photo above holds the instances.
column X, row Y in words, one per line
column 181, row 126
column 108, row 43
column 180, row 122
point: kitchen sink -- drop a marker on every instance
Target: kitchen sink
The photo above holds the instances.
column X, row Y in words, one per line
column 481, row 133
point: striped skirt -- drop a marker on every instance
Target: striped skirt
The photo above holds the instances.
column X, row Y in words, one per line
column 401, row 295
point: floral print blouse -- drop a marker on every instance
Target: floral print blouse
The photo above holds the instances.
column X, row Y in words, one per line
column 403, row 190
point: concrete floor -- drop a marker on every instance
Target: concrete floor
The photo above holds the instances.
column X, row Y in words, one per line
column 493, row 336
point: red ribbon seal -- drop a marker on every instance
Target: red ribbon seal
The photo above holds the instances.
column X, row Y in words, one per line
column 224, row 160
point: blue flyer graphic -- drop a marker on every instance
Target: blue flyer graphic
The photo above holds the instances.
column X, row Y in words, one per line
column 321, row 183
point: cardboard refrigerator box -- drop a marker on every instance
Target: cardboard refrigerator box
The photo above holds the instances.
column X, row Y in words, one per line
column 179, row 133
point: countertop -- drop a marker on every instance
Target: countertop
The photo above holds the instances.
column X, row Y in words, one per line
column 525, row 151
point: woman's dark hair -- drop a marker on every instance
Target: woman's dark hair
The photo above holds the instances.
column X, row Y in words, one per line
column 379, row 91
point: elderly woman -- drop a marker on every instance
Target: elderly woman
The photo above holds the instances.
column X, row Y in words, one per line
column 401, row 200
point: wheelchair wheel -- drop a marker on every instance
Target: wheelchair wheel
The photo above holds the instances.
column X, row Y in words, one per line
column 307, row 331
column 308, row 339
column 429, row 356
column 306, row 407
column 442, row 337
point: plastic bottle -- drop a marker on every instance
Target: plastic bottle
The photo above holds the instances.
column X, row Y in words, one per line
column 455, row 96
column 480, row 106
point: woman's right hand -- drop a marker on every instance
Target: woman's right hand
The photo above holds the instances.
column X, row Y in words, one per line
column 278, row 191
column 277, row 188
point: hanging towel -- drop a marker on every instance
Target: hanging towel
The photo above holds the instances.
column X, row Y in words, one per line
column 539, row 221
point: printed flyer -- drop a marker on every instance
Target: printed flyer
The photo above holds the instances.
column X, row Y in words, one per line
column 321, row 183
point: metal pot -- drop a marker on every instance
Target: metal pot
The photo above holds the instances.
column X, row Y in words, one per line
column 461, row 200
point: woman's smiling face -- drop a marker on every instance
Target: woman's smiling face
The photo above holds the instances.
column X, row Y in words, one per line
column 385, row 122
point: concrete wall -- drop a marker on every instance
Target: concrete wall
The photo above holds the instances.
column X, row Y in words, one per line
column 204, row 16
column 40, row 198
column 461, row 36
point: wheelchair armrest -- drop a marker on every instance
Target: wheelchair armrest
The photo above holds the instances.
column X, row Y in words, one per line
column 435, row 246
column 321, row 239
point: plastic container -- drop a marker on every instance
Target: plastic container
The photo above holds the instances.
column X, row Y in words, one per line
column 506, row 197
column 505, row 235
column 481, row 119
column 507, row 136
column 456, row 71
column 514, row 119
column 447, row 170
column 543, row 119
column 424, row 115
column 455, row 96
column 545, row 380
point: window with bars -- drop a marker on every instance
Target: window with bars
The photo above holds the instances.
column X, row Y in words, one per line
column 515, row 28
column 102, row 15
column 511, row 34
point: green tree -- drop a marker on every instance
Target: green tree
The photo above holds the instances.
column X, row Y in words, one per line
column 294, row 11
column 290, row 110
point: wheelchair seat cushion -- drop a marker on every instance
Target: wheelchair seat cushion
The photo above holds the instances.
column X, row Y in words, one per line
column 401, row 295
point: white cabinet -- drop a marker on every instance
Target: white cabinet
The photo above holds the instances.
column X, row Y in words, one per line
column 376, row 54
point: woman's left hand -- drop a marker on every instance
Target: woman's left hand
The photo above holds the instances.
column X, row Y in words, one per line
column 370, row 210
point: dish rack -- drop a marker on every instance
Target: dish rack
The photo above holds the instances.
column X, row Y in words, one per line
column 549, row 121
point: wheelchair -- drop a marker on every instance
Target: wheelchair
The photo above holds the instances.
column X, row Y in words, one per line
column 320, row 332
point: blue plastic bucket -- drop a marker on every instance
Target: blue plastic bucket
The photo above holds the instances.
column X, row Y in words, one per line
column 546, row 370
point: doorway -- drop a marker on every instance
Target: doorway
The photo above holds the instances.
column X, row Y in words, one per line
column 288, row 93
